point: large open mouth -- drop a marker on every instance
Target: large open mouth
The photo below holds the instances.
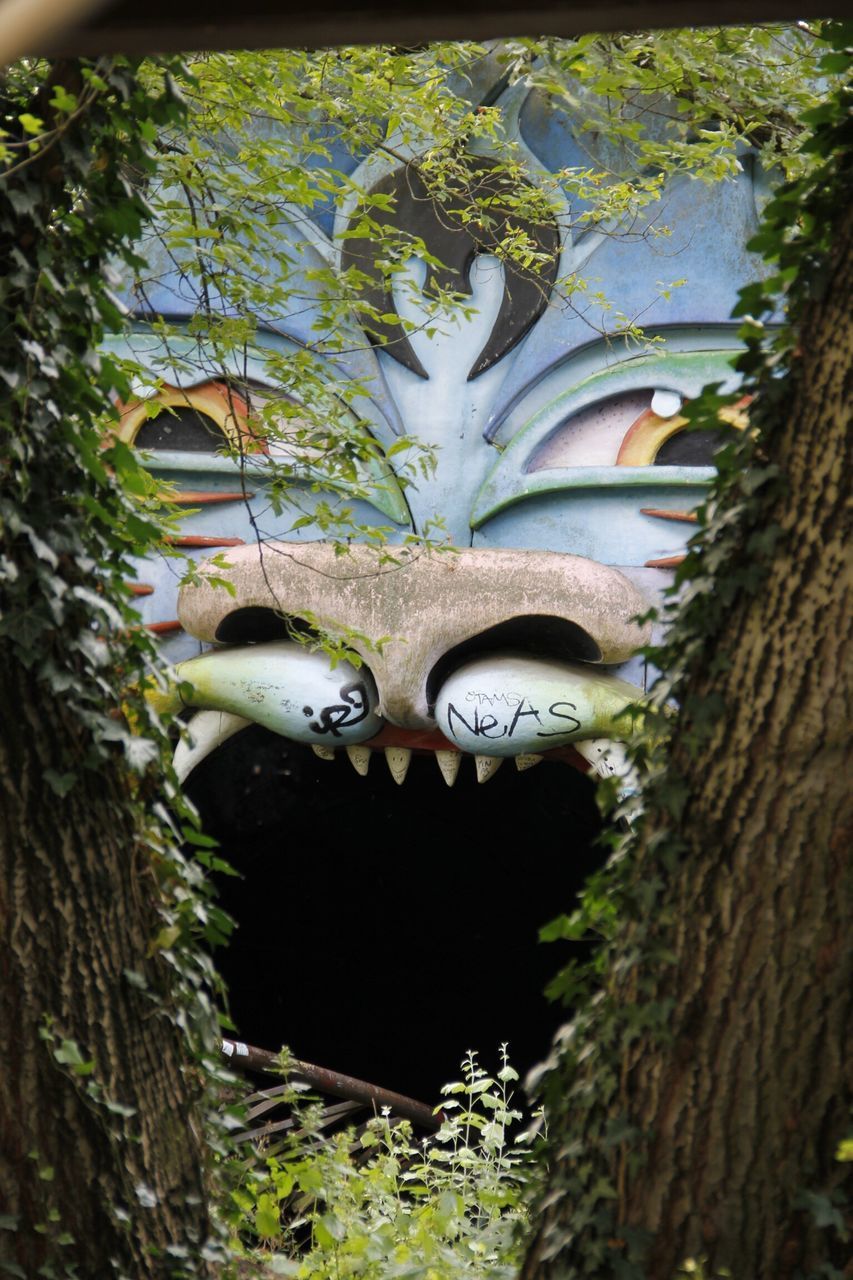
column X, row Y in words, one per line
column 389, row 904
column 385, row 929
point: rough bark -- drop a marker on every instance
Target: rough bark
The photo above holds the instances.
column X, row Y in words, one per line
column 77, row 904
column 747, row 1103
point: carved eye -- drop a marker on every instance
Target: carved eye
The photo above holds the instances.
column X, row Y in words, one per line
column 656, row 440
column 593, row 436
column 632, row 429
column 203, row 419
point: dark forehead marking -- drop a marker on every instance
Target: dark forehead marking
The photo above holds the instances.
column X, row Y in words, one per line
column 439, row 221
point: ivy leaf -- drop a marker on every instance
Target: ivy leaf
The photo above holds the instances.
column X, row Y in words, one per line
column 267, row 1217
column 59, row 783
column 30, row 123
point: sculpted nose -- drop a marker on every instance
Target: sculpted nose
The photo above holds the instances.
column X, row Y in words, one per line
column 413, row 616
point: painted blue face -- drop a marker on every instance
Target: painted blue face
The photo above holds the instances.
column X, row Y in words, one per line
column 563, row 477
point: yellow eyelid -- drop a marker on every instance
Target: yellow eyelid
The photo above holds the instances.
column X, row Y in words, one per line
column 645, row 437
column 650, row 432
column 213, row 400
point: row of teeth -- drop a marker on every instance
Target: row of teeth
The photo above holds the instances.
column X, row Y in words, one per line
column 399, row 758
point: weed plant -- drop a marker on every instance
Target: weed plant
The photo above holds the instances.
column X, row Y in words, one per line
column 383, row 1204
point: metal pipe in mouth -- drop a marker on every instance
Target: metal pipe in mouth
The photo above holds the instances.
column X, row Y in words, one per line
column 337, row 1084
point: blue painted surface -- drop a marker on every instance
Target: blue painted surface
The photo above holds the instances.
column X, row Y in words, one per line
column 604, row 524
column 485, row 487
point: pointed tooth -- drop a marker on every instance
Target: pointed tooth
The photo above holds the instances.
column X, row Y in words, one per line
column 398, row 762
column 448, row 762
column 487, row 766
column 360, row 758
column 325, row 753
column 526, row 761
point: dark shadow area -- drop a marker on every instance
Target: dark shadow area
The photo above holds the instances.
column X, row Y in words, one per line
column 383, row 930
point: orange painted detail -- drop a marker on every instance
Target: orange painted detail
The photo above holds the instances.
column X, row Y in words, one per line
column 688, row 517
column 645, row 436
column 198, row 540
column 203, row 497
column 666, row 562
column 140, row 588
column 163, row 628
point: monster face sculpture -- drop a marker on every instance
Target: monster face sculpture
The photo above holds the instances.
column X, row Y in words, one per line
column 564, row 478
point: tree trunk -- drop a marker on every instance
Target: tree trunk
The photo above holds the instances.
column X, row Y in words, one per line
column 78, row 905
column 746, row 1104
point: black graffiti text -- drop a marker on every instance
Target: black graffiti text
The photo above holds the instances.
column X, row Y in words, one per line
column 352, row 709
column 561, row 715
column 490, row 727
column 508, row 699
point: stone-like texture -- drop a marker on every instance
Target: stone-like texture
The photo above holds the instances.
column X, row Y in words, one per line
column 402, row 616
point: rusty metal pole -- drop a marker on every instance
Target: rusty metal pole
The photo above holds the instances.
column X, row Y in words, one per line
column 247, row 1056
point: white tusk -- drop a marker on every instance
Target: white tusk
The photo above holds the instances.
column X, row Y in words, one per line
column 325, row 753
column 398, row 762
column 205, row 732
column 487, row 767
column 360, row 758
column 448, row 762
column 526, row 761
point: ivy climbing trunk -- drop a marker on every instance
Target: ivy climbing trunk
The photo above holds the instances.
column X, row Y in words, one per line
column 746, row 1102
column 97, row 1145
column 104, row 992
column 719, row 1106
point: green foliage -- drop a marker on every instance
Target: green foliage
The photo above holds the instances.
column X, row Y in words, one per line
column 73, row 513
column 381, row 1204
column 615, row 995
column 689, row 101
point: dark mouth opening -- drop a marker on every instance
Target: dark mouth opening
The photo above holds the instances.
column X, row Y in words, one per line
column 383, row 930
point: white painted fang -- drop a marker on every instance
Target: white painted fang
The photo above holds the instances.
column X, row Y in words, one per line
column 527, row 761
column 398, row 762
column 360, row 759
column 325, row 753
column 487, row 766
column 205, row 732
column 448, row 762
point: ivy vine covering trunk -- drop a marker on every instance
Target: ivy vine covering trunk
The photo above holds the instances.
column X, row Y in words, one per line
column 747, row 1105
column 102, row 987
column 97, row 1149
column 705, row 1090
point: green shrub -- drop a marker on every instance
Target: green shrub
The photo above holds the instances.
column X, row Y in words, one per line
column 381, row 1203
